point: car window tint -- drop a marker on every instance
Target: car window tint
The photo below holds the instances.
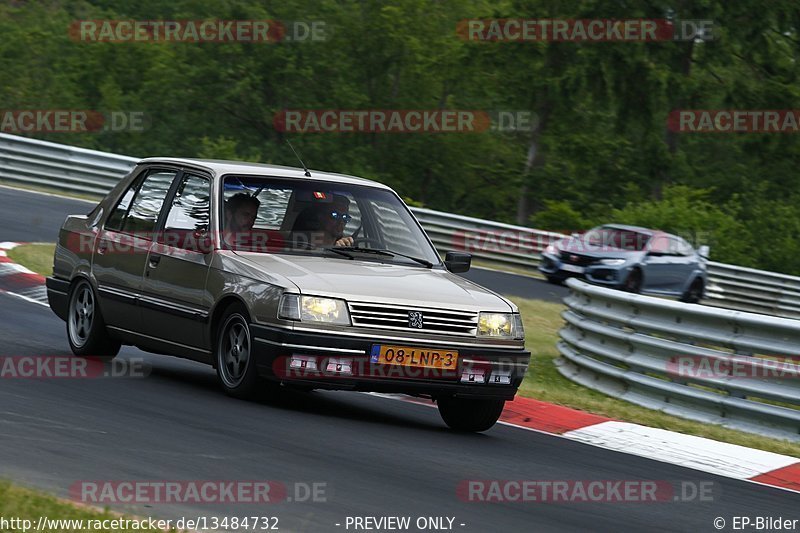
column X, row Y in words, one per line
column 147, row 204
column 191, row 207
column 274, row 202
column 292, row 212
column 393, row 229
column 660, row 244
column 114, row 221
column 618, row 239
column 680, row 247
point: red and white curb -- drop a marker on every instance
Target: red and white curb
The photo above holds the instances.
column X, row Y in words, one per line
column 19, row 281
column 698, row 453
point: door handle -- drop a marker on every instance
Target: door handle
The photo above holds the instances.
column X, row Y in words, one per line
column 102, row 246
column 154, row 260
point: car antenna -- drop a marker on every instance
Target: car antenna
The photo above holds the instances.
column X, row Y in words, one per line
column 308, row 174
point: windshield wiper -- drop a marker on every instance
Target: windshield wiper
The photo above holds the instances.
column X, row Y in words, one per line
column 384, row 251
column 341, row 251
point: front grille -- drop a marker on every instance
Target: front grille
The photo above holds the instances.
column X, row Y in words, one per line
column 577, row 259
column 396, row 318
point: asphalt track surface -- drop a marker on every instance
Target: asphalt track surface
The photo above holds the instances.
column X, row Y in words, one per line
column 377, row 456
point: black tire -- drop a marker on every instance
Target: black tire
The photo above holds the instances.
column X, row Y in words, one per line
column 467, row 414
column 233, row 353
column 86, row 330
column 694, row 293
column 555, row 280
column 633, row 283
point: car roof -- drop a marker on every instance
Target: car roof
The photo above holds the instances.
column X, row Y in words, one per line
column 638, row 229
column 219, row 167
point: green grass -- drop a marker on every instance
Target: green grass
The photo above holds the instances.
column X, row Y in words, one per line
column 27, row 504
column 37, row 257
column 543, row 382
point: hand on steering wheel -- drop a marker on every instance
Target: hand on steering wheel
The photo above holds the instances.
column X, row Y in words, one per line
column 357, row 242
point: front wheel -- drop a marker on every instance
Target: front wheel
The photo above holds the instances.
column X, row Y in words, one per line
column 236, row 367
column 694, row 293
column 86, row 330
column 467, row 414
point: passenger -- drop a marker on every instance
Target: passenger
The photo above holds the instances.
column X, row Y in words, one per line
column 240, row 216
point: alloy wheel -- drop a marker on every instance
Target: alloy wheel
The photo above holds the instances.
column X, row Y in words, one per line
column 81, row 314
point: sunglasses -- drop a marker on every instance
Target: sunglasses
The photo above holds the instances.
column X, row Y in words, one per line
column 341, row 216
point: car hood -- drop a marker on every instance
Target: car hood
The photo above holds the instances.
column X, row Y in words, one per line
column 371, row 281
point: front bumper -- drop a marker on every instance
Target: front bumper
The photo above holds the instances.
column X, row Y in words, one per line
column 612, row 276
column 496, row 373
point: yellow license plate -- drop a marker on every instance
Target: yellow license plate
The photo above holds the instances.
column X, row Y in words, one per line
column 414, row 356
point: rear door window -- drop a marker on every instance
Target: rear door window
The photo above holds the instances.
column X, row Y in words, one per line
column 146, row 207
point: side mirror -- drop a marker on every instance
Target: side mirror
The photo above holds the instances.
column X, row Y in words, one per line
column 704, row 251
column 457, row 262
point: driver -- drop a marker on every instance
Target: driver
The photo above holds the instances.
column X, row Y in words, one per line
column 333, row 219
column 324, row 223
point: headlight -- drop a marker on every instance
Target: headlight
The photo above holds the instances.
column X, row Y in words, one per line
column 551, row 249
column 504, row 325
column 612, row 262
column 313, row 309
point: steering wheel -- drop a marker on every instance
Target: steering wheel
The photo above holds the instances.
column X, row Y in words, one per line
column 367, row 240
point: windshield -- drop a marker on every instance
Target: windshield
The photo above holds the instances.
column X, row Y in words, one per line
column 617, row 239
column 274, row 215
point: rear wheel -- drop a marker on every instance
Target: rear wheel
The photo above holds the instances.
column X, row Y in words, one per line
column 236, row 368
column 467, row 414
column 694, row 293
column 86, row 330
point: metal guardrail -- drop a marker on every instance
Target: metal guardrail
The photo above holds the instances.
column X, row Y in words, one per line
column 757, row 291
column 59, row 166
column 496, row 242
column 740, row 370
column 92, row 172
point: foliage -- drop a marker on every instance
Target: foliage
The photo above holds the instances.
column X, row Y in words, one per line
column 690, row 213
column 602, row 149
